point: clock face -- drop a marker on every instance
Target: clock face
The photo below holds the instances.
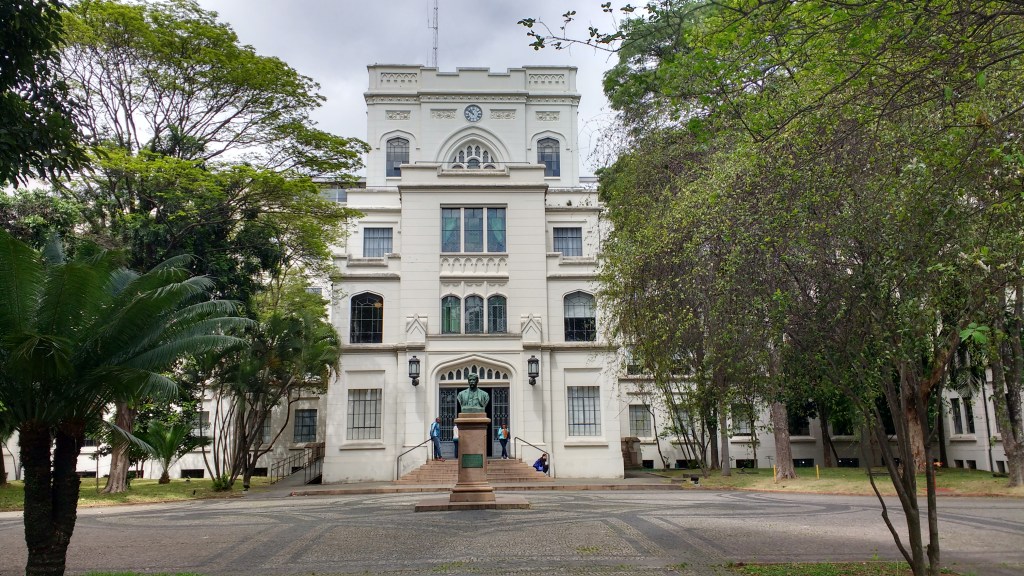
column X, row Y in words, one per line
column 473, row 113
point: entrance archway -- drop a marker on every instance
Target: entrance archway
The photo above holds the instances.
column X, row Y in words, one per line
column 495, row 382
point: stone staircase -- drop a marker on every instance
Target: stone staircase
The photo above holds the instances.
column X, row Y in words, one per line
column 437, row 473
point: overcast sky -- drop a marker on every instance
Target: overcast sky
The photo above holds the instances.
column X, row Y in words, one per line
column 333, row 41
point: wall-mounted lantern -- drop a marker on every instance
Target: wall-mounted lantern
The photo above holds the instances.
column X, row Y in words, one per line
column 533, row 369
column 414, row 370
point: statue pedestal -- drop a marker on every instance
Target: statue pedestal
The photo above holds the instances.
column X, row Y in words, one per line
column 472, row 485
column 473, row 491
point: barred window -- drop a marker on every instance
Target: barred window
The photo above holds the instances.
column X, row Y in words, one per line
column 969, row 415
column 580, row 323
column 376, row 242
column 568, row 241
column 474, row 315
column 201, row 424
column 364, row 414
column 741, row 417
column 799, row 424
column 584, row 411
column 958, row 422
column 497, row 315
column 547, row 154
column 367, row 319
column 265, row 432
column 305, row 425
column 397, row 154
column 639, row 421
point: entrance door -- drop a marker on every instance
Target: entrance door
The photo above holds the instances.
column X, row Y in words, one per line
column 497, row 410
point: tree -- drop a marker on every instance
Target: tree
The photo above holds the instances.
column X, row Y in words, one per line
column 293, row 349
column 167, row 443
column 201, row 147
column 39, row 139
column 872, row 150
column 75, row 336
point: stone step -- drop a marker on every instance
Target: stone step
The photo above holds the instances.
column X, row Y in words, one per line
column 498, row 470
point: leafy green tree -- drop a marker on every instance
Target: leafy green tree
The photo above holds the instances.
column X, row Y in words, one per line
column 201, row 147
column 288, row 354
column 76, row 336
column 866, row 172
column 39, row 138
column 33, row 216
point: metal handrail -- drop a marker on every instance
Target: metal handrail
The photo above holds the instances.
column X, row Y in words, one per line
column 398, row 461
column 315, row 467
column 538, row 448
column 283, row 468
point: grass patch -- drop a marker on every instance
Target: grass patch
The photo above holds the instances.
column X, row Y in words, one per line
column 142, row 491
column 827, row 569
column 953, row 481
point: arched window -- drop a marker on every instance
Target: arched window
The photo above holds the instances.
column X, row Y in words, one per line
column 580, row 322
column 547, row 154
column 497, row 315
column 473, row 156
column 397, row 154
column 367, row 319
column 474, row 315
column 451, row 307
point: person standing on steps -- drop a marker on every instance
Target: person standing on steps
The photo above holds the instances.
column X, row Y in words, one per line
column 435, row 438
column 503, row 438
column 455, row 439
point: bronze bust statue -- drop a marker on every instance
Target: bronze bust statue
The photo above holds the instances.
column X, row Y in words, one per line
column 473, row 399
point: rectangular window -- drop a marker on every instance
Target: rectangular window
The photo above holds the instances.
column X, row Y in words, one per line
column 639, row 421
column 684, row 423
column 954, row 410
column 584, row 411
column 265, row 433
column 972, row 464
column 968, row 415
column 364, row 414
column 463, row 230
column 741, row 417
column 305, row 425
column 568, row 241
column 376, row 242
column 201, row 424
column 799, row 425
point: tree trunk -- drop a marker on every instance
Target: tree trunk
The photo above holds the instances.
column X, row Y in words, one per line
column 51, row 498
column 165, row 478
column 117, row 481
column 713, row 440
column 3, row 467
column 1007, row 374
column 723, row 431
column 828, row 448
column 909, row 391
column 783, row 449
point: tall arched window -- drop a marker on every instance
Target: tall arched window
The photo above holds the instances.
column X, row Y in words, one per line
column 580, row 322
column 451, row 307
column 547, row 154
column 367, row 319
column 474, row 315
column 497, row 315
column 397, row 154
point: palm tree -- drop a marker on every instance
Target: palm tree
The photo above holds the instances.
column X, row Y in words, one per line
column 76, row 336
column 166, row 443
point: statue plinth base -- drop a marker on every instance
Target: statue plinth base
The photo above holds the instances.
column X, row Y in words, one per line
column 473, row 491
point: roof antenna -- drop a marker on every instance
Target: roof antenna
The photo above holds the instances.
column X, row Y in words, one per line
column 433, row 26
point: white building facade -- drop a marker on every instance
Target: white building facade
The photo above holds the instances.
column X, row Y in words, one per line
column 477, row 253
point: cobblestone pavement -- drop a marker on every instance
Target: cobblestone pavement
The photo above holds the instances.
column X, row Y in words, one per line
column 565, row 533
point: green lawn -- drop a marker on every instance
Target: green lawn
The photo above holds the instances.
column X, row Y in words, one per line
column 956, row 481
column 828, row 569
column 141, row 491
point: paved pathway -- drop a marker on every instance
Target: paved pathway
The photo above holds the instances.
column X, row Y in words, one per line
column 566, row 533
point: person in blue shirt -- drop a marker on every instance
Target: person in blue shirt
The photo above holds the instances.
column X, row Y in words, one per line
column 435, row 438
column 503, row 438
column 541, row 465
